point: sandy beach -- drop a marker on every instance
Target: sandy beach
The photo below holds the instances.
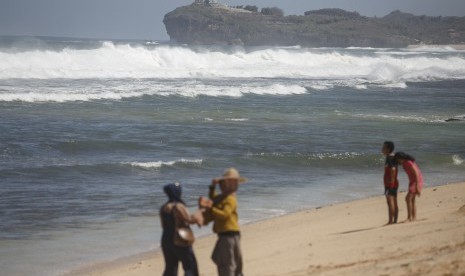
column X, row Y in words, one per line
column 343, row 239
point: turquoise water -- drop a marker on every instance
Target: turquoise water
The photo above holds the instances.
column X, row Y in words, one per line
column 90, row 131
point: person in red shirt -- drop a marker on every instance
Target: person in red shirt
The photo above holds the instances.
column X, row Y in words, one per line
column 391, row 184
column 415, row 182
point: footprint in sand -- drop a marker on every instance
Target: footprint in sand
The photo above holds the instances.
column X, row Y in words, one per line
column 462, row 210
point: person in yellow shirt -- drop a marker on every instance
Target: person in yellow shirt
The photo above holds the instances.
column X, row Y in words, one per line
column 222, row 210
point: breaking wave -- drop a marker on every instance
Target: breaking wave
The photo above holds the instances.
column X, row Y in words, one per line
column 457, row 160
column 172, row 62
column 397, row 117
column 120, row 91
column 159, row 164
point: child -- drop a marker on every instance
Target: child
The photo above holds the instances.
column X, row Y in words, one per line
column 415, row 182
column 391, row 184
column 222, row 209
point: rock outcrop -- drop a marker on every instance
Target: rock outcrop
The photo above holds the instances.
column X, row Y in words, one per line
column 221, row 25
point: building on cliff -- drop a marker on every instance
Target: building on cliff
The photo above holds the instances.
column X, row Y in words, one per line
column 206, row 2
column 218, row 5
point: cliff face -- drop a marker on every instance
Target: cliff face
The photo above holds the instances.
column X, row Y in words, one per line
column 196, row 24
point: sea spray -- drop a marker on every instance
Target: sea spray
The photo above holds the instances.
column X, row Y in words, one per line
column 457, row 160
column 159, row 164
column 131, row 61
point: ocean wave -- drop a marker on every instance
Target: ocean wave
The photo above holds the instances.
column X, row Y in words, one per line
column 67, row 96
column 159, row 164
column 118, row 91
column 128, row 61
column 457, row 160
column 95, row 168
column 315, row 156
column 358, row 84
column 236, row 119
column 323, row 159
column 342, row 160
column 199, row 89
column 434, row 48
column 402, row 118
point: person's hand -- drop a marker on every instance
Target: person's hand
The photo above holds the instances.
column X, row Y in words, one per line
column 198, row 218
column 205, row 202
column 215, row 181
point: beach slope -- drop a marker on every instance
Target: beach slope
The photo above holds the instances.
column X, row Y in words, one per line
column 343, row 239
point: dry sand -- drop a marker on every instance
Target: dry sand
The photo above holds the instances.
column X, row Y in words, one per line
column 343, row 239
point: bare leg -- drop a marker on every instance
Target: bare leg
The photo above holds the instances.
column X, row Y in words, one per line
column 392, row 208
column 388, row 201
column 414, row 208
column 396, row 209
column 409, row 201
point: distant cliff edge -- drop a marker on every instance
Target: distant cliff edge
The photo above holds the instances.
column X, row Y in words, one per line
column 222, row 25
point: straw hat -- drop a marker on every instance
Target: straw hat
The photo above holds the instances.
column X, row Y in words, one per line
column 232, row 173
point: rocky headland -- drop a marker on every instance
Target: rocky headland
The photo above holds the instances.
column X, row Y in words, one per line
column 207, row 24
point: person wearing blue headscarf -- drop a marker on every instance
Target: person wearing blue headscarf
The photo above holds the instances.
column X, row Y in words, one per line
column 173, row 191
column 172, row 213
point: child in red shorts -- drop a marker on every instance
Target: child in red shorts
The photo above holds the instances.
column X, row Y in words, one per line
column 391, row 184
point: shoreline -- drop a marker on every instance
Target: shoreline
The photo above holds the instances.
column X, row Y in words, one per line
column 318, row 240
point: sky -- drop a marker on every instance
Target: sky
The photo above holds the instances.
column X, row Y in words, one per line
column 143, row 19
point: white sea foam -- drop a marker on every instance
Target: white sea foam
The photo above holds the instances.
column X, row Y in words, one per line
column 159, row 164
column 236, row 119
column 114, row 72
column 66, row 96
column 314, row 156
column 457, row 160
column 125, row 61
column 435, row 48
column 405, row 118
column 198, row 89
column 119, row 91
column 339, row 156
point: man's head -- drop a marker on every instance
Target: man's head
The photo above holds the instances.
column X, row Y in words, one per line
column 229, row 182
column 388, row 147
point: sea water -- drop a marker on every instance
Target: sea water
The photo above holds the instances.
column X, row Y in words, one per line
column 90, row 132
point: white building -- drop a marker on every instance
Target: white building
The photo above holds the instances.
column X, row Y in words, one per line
column 206, row 2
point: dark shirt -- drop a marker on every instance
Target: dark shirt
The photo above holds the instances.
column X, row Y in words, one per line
column 168, row 224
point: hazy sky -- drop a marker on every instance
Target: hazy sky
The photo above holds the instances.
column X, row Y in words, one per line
column 143, row 19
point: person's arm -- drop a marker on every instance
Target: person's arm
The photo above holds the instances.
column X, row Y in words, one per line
column 203, row 214
column 212, row 192
column 393, row 175
column 229, row 206
column 207, row 216
column 161, row 219
column 183, row 214
column 417, row 177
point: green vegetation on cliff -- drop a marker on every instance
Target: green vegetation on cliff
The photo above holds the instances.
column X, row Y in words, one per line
column 206, row 25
